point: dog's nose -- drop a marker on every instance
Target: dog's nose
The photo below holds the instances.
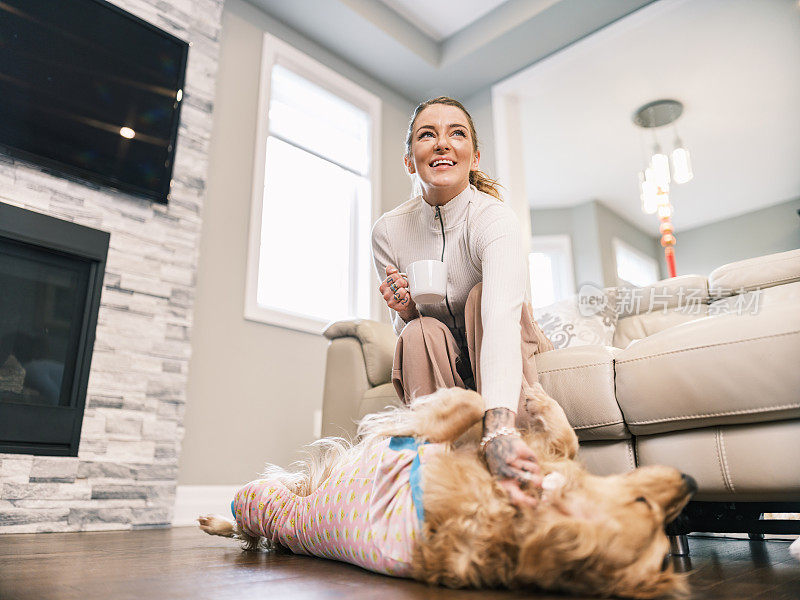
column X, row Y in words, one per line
column 689, row 482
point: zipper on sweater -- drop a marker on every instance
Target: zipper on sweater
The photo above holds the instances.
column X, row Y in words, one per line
column 461, row 342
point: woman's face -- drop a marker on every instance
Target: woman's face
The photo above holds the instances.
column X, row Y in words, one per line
column 441, row 150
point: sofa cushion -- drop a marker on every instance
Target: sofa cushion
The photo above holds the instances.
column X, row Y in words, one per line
column 760, row 272
column 722, row 369
column 644, row 311
column 739, row 462
column 755, row 300
column 377, row 342
column 676, row 292
column 581, row 380
column 644, row 325
column 608, row 457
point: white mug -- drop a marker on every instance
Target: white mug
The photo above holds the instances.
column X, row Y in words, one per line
column 427, row 281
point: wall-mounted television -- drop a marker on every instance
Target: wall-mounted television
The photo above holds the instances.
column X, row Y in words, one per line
column 89, row 90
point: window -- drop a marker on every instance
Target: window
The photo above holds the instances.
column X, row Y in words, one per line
column 550, row 266
column 314, row 192
column 634, row 266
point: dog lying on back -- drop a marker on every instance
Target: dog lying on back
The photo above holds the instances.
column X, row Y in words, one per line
column 415, row 499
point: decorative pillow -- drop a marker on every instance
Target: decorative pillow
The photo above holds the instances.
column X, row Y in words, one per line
column 586, row 319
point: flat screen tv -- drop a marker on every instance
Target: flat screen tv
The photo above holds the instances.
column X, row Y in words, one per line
column 89, row 90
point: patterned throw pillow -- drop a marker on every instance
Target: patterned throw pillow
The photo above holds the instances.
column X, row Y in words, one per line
column 566, row 327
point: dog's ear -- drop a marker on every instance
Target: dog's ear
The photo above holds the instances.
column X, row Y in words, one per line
column 551, row 552
column 665, row 486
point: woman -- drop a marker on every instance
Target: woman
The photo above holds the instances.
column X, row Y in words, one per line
column 478, row 335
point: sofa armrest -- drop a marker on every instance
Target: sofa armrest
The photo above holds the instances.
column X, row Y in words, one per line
column 345, row 385
column 377, row 342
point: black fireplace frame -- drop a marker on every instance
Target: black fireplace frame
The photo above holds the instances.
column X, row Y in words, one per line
column 55, row 430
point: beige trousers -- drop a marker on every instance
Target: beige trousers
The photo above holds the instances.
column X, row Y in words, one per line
column 427, row 356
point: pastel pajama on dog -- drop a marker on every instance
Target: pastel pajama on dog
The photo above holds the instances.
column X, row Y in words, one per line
column 367, row 512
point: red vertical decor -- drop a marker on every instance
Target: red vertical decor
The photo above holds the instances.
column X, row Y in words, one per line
column 668, row 242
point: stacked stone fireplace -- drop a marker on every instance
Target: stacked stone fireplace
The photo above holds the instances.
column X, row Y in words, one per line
column 126, row 470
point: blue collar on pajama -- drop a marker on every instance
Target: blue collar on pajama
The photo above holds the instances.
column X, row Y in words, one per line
column 415, row 478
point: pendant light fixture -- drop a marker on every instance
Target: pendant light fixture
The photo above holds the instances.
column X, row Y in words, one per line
column 654, row 179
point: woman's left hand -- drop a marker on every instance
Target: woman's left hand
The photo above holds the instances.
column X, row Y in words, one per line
column 510, row 459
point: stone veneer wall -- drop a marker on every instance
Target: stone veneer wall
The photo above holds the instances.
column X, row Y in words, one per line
column 126, row 470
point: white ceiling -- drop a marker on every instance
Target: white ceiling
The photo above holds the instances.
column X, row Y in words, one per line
column 439, row 20
column 735, row 64
column 400, row 46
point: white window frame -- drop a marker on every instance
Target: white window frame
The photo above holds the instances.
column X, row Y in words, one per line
column 560, row 245
column 275, row 51
column 617, row 243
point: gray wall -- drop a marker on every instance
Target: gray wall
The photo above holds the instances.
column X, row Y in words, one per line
column 479, row 106
column 611, row 225
column 773, row 229
column 591, row 227
column 253, row 388
column 586, row 252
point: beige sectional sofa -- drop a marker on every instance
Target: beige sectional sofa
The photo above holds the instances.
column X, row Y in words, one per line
column 713, row 390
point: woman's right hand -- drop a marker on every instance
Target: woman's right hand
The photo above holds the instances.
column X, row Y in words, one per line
column 510, row 459
column 394, row 289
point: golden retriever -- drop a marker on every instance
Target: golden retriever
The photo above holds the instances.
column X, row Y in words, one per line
column 587, row 534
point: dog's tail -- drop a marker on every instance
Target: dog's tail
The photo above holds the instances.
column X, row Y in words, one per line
column 393, row 420
column 323, row 455
column 306, row 475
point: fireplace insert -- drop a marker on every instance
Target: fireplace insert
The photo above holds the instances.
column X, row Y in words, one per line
column 51, row 278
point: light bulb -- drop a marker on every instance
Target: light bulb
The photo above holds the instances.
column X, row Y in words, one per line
column 649, row 192
column 660, row 164
column 681, row 165
column 649, row 205
column 659, row 187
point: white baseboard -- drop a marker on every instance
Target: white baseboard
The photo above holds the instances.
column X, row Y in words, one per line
column 192, row 501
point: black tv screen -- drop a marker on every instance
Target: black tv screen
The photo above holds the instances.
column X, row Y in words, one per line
column 90, row 90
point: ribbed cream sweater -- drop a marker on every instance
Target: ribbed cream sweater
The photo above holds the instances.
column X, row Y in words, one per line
column 483, row 242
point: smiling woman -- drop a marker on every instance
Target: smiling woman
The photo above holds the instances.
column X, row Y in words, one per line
column 449, row 117
column 471, row 338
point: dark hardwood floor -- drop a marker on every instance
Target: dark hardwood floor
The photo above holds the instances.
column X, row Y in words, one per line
column 185, row 563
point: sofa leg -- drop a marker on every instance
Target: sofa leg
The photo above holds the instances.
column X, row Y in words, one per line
column 679, row 545
column 756, row 536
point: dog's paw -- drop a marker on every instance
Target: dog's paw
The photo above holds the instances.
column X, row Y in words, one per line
column 216, row 525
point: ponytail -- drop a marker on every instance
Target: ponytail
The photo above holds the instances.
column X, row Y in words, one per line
column 485, row 184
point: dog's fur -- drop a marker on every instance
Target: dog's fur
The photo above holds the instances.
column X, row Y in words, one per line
column 593, row 535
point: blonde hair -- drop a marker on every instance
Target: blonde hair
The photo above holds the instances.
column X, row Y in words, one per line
column 478, row 178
